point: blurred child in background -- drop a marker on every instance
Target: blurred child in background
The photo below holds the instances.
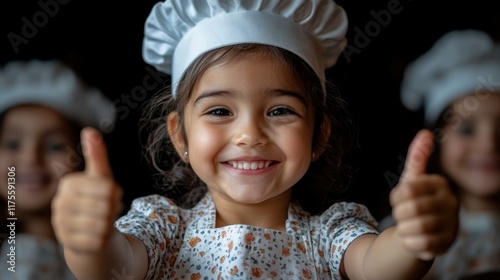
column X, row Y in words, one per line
column 43, row 106
column 457, row 82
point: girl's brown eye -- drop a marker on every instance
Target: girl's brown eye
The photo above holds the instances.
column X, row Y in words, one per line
column 54, row 147
column 466, row 130
column 281, row 111
column 11, row 145
column 219, row 112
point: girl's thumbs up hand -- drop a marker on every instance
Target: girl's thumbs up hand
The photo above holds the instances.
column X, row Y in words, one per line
column 425, row 209
column 87, row 203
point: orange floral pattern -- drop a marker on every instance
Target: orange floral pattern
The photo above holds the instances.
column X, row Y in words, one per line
column 311, row 248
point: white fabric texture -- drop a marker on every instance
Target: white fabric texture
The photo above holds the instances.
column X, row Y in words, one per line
column 179, row 31
column 52, row 84
column 460, row 63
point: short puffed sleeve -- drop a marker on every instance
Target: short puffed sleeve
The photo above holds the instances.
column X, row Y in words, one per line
column 155, row 220
column 335, row 229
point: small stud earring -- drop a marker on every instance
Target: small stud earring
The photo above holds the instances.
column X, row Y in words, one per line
column 185, row 154
column 313, row 155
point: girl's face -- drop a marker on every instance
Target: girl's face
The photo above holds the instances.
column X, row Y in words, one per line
column 249, row 130
column 471, row 148
column 37, row 141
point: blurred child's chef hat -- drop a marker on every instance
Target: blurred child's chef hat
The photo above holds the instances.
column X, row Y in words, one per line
column 460, row 63
column 179, row 31
column 52, row 84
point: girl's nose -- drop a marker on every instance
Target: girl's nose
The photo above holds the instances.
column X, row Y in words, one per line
column 249, row 133
column 30, row 154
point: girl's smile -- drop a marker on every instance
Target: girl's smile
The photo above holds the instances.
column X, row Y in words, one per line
column 250, row 165
column 485, row 166
column 32, row 180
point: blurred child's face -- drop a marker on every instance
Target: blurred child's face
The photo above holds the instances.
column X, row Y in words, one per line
column 35, row 140
column 471, row 150
column 249, row 130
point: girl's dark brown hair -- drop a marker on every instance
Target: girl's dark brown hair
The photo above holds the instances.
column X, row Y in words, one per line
column 326, row 178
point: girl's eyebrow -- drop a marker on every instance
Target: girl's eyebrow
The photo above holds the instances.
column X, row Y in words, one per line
column 213, row 93
column 276, row 92
column 283, row 92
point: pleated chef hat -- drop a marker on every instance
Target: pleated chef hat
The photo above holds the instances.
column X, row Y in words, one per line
column 179, row 31
column 52, row 84
column 460, row 63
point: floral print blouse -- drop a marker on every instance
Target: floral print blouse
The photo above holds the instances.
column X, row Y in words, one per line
column 185, row 243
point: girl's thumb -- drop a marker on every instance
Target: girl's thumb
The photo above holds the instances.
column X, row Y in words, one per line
column 95, row 154
column 419, row 153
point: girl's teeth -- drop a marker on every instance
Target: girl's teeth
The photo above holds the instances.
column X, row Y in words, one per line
column 254, row 165
column 250, row 165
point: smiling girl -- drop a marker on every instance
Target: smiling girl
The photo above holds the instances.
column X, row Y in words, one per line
column 249, row 119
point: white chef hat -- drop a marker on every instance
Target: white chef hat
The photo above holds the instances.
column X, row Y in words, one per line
column 179, row 31
column 52, row 84
column 460, row 63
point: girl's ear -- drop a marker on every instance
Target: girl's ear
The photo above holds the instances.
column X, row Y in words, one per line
column 175, row 134
column 322, row 137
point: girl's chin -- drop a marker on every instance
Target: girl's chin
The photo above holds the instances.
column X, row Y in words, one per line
column 241, row 197
column 252, row 197
column 484, row 188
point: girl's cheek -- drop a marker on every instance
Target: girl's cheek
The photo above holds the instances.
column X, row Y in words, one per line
column 449, row 152
column 59, row 164
column 6, row 160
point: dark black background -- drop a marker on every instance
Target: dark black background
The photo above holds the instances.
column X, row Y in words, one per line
column 102, row 41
